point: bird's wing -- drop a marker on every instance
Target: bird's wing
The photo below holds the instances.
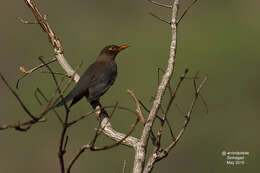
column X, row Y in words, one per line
column 102, row 80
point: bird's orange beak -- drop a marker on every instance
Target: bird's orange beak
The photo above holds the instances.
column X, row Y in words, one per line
column 122, row 47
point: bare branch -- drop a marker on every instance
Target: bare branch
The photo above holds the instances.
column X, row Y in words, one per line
column 141, row 149
column 53, row 39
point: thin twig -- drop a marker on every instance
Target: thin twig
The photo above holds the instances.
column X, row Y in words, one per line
column 45, row 98
column 188, row 114
column 62, row 145
column 205, row 103
column 138, row 109
column 74, row 159
column 162, row 153
column 160, row 4
column 186, row 10
column 32, row 70
column 183, row 76
column 159, row 134
column 159, row 18
column 18, row 126
column 19, row 99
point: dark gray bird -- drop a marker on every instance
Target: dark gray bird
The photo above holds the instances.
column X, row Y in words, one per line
column 97, row 79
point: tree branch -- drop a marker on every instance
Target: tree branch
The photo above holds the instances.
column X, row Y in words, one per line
column 141, row 148
column 58, row 50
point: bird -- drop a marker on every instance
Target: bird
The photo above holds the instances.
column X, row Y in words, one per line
column 97, row 79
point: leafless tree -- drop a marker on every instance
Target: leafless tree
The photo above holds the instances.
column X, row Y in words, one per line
column 141, row 164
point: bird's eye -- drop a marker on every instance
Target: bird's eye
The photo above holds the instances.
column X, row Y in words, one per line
column 111, row 48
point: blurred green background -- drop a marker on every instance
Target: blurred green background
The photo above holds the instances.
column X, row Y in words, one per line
column 218, row 38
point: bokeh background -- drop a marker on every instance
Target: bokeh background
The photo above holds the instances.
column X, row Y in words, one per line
column 218, row 38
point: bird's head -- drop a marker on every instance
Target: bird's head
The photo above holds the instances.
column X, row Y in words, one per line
column 112, row 50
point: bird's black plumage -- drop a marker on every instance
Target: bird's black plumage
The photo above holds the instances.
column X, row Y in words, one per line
column 97, row 79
